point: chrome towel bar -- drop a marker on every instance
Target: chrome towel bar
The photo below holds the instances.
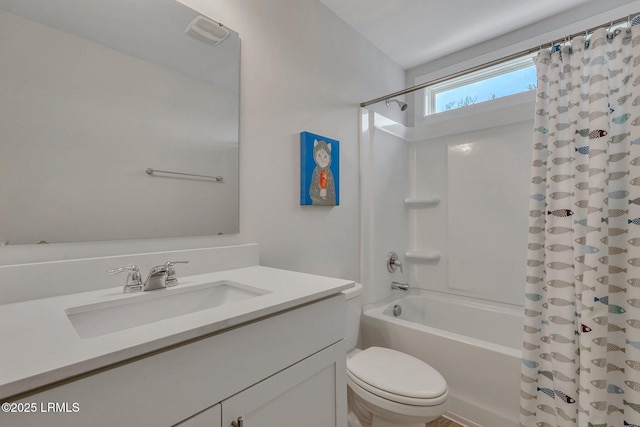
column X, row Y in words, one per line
column 154, row 171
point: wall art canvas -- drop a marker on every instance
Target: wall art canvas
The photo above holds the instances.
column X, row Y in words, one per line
column 319, row 170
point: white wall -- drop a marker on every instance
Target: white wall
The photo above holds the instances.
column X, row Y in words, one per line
column 302, row 69
column 309, row 71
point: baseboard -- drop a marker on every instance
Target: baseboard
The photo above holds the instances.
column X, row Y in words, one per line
column 460, row 420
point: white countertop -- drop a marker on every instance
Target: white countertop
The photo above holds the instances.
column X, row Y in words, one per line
column 40, row 346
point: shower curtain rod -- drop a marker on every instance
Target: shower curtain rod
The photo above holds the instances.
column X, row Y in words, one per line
column 494, row 62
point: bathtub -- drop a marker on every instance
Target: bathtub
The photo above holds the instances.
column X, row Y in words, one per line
column 475, row 345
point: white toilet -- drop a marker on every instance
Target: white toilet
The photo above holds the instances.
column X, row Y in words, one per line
column 388, row 388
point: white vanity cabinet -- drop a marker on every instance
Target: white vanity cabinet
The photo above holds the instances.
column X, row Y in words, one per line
column 303, row 394
column 208, row 418
column 285, row 369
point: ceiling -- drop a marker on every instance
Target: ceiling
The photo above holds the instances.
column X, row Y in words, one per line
column 413, row 32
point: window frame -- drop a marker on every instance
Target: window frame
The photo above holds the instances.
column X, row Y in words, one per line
column 431, row 92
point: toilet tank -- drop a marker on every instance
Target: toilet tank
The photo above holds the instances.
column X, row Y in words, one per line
column 354, row 308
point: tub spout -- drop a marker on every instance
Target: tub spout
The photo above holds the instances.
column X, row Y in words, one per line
column 400, row 286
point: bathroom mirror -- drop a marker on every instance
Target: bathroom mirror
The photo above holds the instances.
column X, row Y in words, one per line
column 93, row 93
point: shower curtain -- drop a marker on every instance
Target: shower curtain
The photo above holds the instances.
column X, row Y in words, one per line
column 581, row 354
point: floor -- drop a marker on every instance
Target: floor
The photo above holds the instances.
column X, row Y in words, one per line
column 442, row 422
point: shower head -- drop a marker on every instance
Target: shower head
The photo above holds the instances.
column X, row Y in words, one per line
column 403, row 106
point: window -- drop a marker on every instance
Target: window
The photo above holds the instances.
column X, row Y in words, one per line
column 511, row 77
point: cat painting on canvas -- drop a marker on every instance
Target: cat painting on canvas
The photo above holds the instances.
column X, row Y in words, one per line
column 319, row 170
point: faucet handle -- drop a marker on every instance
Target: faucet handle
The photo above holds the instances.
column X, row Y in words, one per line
column 172, row 263
column 134, row 278
column 129, row 267
column 393, row 262
column 171, row 279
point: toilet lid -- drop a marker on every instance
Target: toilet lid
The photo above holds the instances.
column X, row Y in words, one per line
column 398, row 373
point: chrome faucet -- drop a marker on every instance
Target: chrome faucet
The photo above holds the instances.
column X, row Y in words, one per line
column 160, row 276
column 157, row 278
column 404, row 287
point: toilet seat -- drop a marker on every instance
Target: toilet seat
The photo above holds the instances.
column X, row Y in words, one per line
column 397, row 377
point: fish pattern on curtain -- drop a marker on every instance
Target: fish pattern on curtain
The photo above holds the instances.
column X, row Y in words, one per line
column 581, row 351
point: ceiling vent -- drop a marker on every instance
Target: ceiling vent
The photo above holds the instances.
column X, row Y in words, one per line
column 207, row 31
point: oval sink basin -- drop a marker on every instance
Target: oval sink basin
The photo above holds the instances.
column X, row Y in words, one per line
column 101, row 318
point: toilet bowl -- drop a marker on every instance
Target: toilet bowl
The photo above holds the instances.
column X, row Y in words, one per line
column 388, row 388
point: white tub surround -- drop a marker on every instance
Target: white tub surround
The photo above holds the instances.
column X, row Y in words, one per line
column 474, row 345
column 41, row 346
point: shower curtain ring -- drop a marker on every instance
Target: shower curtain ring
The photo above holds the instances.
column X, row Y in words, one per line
column 586, row 39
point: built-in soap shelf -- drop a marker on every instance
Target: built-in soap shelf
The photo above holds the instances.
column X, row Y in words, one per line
column 422, row 202
column 422, row 256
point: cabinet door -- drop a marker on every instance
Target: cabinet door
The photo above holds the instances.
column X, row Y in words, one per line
column 310, row 393
column 208, row 418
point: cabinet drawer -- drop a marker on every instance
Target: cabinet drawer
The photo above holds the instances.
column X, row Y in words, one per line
column 303, row 395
